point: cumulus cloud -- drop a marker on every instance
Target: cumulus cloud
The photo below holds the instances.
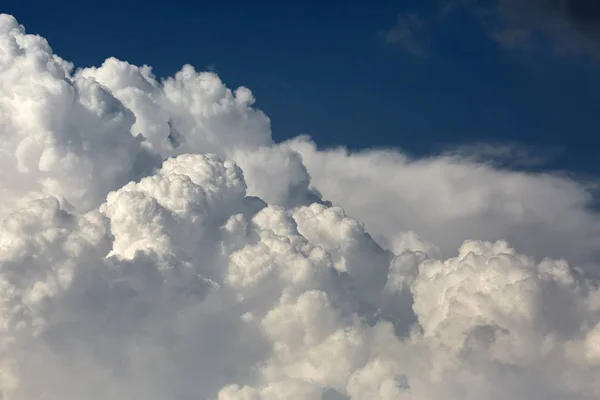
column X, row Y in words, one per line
column 60, row 136
column 156, row 244
column 449, row 199
column 214, row 118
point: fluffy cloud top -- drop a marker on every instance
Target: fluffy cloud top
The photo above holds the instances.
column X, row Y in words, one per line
column 156, row 244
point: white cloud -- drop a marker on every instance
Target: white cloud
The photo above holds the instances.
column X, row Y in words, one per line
column 60, row 136
column 277, row 175
column 190, row 112
column 447, row 200
column 149, row 269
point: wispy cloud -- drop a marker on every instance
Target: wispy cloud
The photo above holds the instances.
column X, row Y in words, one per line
column 504, row 154
column 513, row 37
column 573, row 25
column 410, row 33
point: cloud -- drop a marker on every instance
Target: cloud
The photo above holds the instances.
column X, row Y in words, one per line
column 277, row 175
column 215, row 118
column 513, row 38
column 409, row 32
column 574, row 25
column 449, row 199
column 157, row 267
column 503, row 154
column 61, row 136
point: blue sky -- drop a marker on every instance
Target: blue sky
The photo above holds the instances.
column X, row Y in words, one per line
column 419, row 75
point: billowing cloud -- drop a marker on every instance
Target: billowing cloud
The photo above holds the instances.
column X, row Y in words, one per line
column 60, row 136
column 214, row 118
column 156, row 244
column 450, row 199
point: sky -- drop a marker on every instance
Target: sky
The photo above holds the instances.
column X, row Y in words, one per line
column 361, row 74
column 236, row 203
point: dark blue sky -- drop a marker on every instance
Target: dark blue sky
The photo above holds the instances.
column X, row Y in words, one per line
column 326, row 68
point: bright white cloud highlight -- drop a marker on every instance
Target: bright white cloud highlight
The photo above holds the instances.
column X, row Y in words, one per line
column 156, row 244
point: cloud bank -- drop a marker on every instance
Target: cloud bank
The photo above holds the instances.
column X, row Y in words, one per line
column 157, row 244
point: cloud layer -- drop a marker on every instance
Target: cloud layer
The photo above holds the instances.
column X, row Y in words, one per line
column 157, row 244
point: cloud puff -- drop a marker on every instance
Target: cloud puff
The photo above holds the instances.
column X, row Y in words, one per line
column 155, row 266
column 277, row 175
column 60, row 136
column 190, row 112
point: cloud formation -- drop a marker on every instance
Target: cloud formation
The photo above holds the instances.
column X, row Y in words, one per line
column 449, row 199
column 156, row 244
